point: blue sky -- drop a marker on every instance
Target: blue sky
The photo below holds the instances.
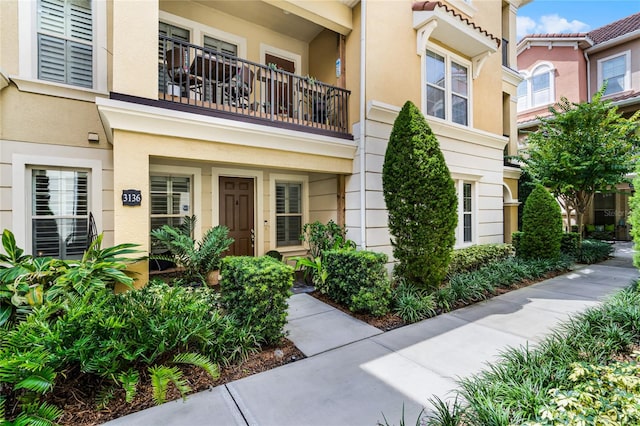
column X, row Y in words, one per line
column 572, row 16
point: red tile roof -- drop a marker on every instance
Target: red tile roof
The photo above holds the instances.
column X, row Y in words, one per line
column 556, row 35
column 615, row 29
column 431, row 5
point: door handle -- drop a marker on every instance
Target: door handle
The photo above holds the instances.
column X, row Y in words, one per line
column 253, row 237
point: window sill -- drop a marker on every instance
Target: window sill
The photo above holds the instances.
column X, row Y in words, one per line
column 58, row 90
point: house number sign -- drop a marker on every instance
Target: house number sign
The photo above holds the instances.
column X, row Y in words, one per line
column 131, row 197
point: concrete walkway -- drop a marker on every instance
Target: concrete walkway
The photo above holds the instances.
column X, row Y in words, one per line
column 354, row 373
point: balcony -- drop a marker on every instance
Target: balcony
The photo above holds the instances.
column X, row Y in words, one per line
column 204, row 81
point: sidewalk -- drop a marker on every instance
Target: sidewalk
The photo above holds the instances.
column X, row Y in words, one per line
column 354, row 372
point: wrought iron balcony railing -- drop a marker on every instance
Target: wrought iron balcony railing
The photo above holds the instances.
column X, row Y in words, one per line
column 240, row 89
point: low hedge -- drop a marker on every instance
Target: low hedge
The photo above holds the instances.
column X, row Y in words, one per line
column 358, row 279
column 474, row 257
column 570, row 244
column 255, row 291
column 594, row 251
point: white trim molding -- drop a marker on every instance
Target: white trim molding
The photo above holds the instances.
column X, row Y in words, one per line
column 196, row 174
column 160, row 121
column 20, row 166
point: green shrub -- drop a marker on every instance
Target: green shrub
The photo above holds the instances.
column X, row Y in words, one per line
column 197, row 258
column 467, row 287
column 616, row 388
column 542, row 226
column 114, row 336
column 413, row 304
column 471, row 258
column 27, row 282
column 255, row 291
column 634, row 218
column 516, row 237
column 321, row 237
column 421, row 200
column 570, row 244
column 358, row 279
column 593, row 251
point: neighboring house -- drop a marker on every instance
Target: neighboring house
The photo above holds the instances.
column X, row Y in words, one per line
column 576, row 66
column 257, row 115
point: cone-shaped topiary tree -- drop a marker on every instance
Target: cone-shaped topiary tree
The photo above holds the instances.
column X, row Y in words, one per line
column 541, row 226
column 421, row 200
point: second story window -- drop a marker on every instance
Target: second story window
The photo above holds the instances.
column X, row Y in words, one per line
column 614, row 70
column 537, row 89
column 447, row 83
column 220, row 46
column 65, row 41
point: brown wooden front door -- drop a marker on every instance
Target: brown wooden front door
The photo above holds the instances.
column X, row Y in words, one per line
column 236, row 213
column 283, row 86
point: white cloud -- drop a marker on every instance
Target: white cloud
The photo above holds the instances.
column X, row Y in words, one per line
column 548, row 24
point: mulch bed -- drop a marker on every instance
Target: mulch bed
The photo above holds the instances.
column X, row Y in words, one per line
column 77, row 394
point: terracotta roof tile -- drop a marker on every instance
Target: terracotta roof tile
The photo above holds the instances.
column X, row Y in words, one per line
column 615, row 29
column 556, row 35
column 431, row 5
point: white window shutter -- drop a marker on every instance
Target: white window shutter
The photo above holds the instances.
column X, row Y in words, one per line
column 52, row 17
column 81, row 20
column 80, row 64
column 51, row 59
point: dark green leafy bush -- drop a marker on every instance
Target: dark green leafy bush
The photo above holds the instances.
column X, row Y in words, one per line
column 27, row 282
column 593, row 251
column 358, row 279
column 421, row 199
column 471, row 258
column 570, row 244
column 516, row 237
column 321, row 237
column 542, row 226
column 255, row 291
column 114, row 336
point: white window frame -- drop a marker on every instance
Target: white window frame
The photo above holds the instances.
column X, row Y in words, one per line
column 627, row 73
column 197, row 31
column 286, row 178
column 448, row 58
column 195, row 173
column 31, row 216
column 528, row 80
column 28, row 51
column 21, row 190
column 460, row 242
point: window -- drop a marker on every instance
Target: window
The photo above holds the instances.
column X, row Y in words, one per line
column 467, row 220
column 467, row 213
column 537, row 89
column 615, row 72
column 65, row 41
column 447, row 83
column 170, row 201
column 175, row 33
column 59, row 212
column 288, row 213
column 220, row 46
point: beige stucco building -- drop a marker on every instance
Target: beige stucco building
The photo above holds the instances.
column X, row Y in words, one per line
column 259, row 115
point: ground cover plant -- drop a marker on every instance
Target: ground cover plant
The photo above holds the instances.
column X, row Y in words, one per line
column 80, row 345
column 584, row 373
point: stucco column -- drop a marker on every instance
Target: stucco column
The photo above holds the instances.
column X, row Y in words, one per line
column 131, row 223
column 135, row 47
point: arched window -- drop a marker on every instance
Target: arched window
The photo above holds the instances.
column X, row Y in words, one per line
column 537, row 89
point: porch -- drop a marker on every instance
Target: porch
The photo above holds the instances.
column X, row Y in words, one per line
column 199, row 79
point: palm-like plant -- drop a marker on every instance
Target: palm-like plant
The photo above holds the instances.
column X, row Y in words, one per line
column 197, row 258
